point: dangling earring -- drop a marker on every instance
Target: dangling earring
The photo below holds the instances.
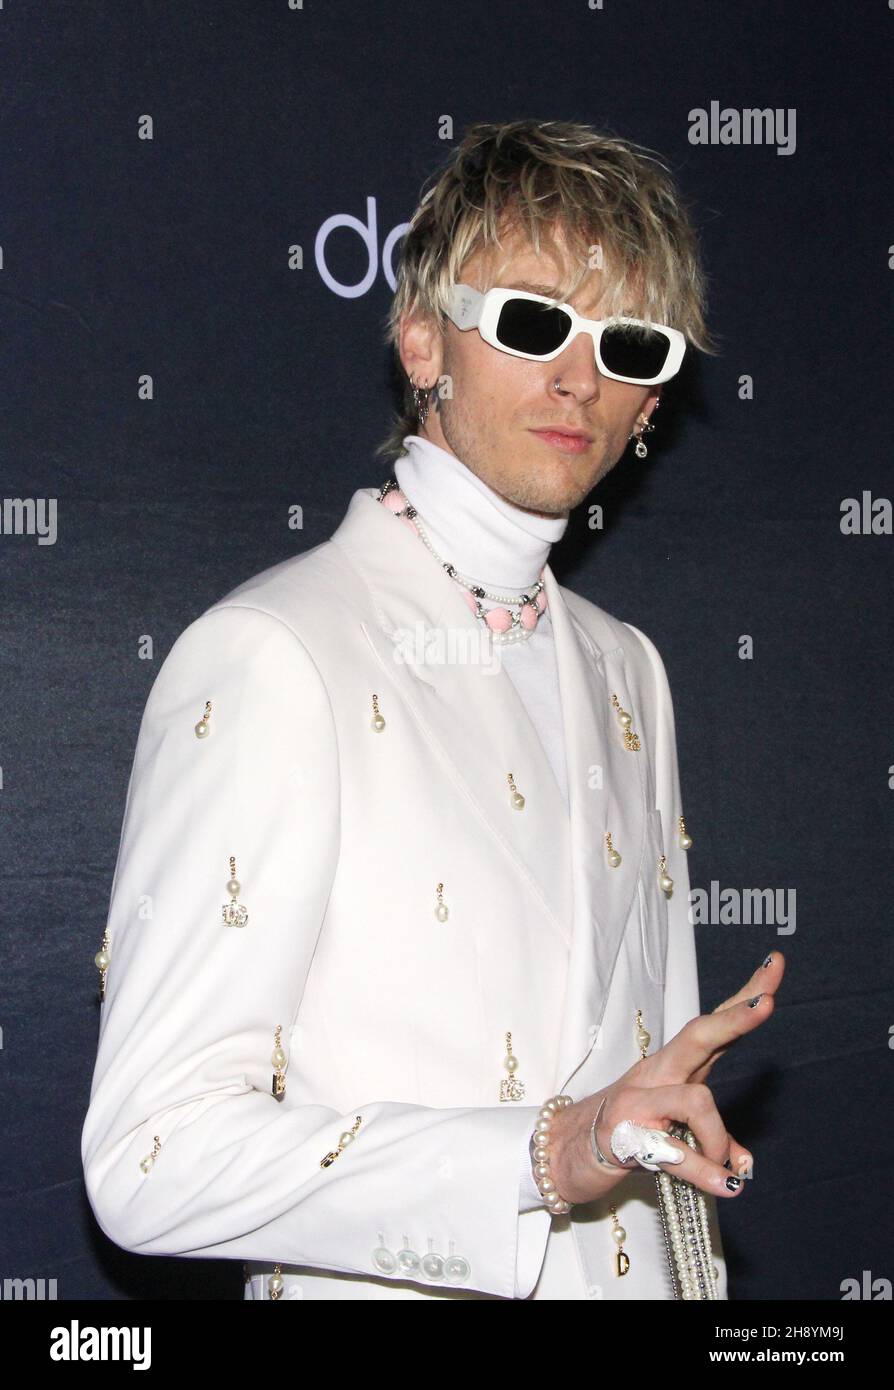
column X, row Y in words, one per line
column 420, row 400
column 641, row 449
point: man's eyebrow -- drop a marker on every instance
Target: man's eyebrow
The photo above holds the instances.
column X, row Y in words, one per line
column 549, row 291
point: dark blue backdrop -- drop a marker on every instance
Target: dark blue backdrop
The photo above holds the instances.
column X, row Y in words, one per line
column 170, row 257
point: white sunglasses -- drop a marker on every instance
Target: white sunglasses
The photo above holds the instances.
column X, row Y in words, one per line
column 534, row 327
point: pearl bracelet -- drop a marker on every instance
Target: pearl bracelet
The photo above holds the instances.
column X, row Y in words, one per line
column 539, row 1150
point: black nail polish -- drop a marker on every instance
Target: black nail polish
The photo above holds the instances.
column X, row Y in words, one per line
column 769, row 958
column 733, row 1183
column 753, row 1003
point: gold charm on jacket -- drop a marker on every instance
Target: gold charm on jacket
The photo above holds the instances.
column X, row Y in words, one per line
column 664, row 878
column 515, row 798
column 631, row 738
column 377, row 722
column 101, row 960
column 275, row 1283
column 685, row 840
column 511, row 1088
column 442, row 911
column 614, row 857
column 619, row 1235
column 643, row 1038
column 147, row 1162
column 234, row 914
column 344, row 1140
column 278, row 1058
column 202, row 729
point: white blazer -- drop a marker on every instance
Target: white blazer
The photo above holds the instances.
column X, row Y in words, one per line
column 341, row 835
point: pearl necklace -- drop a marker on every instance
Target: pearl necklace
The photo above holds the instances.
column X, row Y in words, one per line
column 683, row 1213
column 503, row 624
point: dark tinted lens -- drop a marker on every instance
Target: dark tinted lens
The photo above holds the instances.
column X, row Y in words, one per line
column 531, row 327
column 631, row 350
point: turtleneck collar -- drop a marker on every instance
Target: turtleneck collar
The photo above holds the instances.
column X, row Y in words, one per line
column 487, row 538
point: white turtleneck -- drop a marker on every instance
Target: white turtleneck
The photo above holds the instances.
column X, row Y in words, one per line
column 504, row 549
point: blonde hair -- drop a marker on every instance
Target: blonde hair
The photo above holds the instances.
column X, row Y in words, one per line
column 604, row 192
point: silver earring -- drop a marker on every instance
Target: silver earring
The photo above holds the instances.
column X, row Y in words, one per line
column 641, row 448
column 420, row 400
column 556, row 386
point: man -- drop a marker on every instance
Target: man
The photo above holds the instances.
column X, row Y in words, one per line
column 403, row 856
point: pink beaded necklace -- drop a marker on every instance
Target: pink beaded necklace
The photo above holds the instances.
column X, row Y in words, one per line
column 504, row 624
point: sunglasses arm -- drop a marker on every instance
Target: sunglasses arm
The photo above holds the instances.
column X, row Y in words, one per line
column 466, row 304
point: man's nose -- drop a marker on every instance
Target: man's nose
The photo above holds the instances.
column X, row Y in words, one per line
column 576, row 369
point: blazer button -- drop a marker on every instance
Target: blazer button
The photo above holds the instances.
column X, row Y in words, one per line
column 456, row 1269
column 384, row 1260
column 408, row 1259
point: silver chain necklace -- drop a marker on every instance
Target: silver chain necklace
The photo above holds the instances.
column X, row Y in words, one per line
column 517, row 632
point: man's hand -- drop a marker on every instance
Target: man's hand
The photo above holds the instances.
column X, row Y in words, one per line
column 668, row 1086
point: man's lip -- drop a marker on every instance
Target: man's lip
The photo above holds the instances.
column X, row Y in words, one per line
column 559, row 429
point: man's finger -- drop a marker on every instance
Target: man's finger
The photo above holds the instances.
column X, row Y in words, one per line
column 741, row 1160
column 692, row 1053
column 694, row 1107
column 767, row 977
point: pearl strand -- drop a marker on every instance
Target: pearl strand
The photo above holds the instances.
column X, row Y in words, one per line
column 475, row 588
column 504, row 625
column 685, row 1217
column 539, row 1149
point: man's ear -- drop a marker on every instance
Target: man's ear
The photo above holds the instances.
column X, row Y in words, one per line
column 421, row 348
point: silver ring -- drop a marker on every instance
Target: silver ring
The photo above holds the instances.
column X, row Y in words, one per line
column 594, row 1145
column 649, row 1147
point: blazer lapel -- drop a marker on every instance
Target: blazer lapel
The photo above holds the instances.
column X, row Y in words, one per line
column 472, row 715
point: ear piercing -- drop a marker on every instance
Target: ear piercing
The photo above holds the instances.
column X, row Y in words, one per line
column 511, row 1088
column 646, row 425
column 234, row 914
column 202, row 730
column 420, row 400
column 377, row 722
column 631, row 738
